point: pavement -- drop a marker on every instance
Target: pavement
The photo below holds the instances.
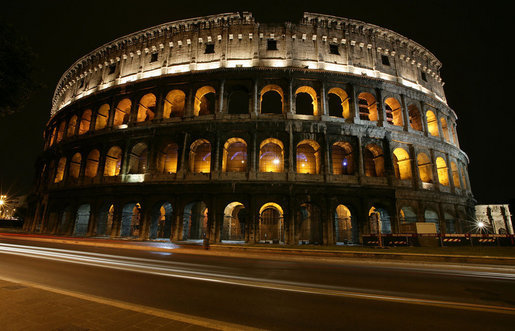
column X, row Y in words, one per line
column 32, row 307
column 260, row 252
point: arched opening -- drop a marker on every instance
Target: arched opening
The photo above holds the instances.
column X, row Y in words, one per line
column 306, row 101
column 161, row 224
column 102, row 117
column 272, row 100
column 449, row 223
column 122, row 112
column 310, row 224
column 393, row 111
column 205, row 101
column 271, row 156
column 235, row 220
column 146, row 108
column 441, row 168
column 75, row 164
column 113, row 161
column 338, row 102
column 131, row 220
column 85, row 122
column 342, row 159
column 52, row 136
column 401, row 164
column 432, row 123
column 415, row 119
column 430, row 216
column 308, row 157
column 65, row 225
column 168, row 158
column 200, row 156
column 60, row 132
column 463, row 178
column 238, row 101
column 345, row 232
column 92, row 163
column 195, row 221
column 367, row 107
column 379, row 221
column 61, row 165
column 72, row 125
column 174, row 104
column 445, row 129
column 138, row 159
column 82, row 220
column 271, row 223
column 373, row 159
column 407, row 215
column 105, row 220
column 234, row 155
column 454, row 135
column 455, row 175
column 425, row 169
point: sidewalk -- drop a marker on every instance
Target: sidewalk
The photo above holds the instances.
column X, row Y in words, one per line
column 25, row 307
column 315, row 254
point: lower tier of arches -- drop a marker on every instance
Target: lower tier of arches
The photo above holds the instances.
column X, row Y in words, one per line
column 252, row 213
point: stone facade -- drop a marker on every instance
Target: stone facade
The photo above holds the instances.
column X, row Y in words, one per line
column 497, row 218
column 227, row 128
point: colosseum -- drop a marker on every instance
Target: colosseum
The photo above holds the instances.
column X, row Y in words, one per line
column 221, row 127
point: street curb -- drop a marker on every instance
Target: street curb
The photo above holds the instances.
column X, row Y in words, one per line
column 278, row 253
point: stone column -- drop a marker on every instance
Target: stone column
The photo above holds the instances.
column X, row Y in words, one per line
column 323, row 100
column 449, row 173
column 159, row 105
column 361, row 166
column 405, row 113
column 221, row 99
column 381, row 113
column 353, row 105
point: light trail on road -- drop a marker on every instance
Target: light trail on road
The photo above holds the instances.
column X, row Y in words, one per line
column 216, row 275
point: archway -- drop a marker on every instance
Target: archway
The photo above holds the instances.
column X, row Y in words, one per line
column 308, row 157
column 235, row 220
column 200, row 156
column 345, row 231
column 393, row 111
column 131, row 220
column 367, row 107
column 234, row 155
column 373, row 161
column 138, row 159
column 432, row 123
column 272, row 100
column 102, row 117
column 379, row 221
column 342, row 159
column 271, row 223
column 415, row 119
column 306, row 101
column 401, row 164
column 146, row 108
column 238, row 101
column 174, row 104
column 430, row 216
column 271, row 155
column 82, row 220
column 85, row 122
column 113, row 161
column 205, row 99
column 161, row 223
column 338, row 102
column 122, row 112
column 195, row 221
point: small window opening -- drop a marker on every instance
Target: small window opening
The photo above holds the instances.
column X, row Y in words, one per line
column 333, row 49
column 112, row 69
column 424, row 78
column 81, row 83
column 210, row 49
column 271, row 45
column 153, row 57
column 385, row 60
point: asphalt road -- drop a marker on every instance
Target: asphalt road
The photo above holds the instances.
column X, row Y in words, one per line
column 275, row 294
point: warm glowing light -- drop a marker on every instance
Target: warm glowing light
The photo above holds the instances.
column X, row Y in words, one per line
column 276, row 161
column 480, row 224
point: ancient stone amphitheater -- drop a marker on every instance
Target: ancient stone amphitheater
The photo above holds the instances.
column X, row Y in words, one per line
column 222, row 127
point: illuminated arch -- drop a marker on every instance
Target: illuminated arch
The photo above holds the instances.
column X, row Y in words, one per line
column 441, row 168
column 308, row 157
column 343, row 224
column 113, row 162
column 432, row 123
column 85, row 122
column 174, row 104
column 455, row 175
column 338, row 102
column 373, row 159
column 122, row 112
column 271, row 222
column 272, row 99
column 445, row 129
column 401, row 163
column 92, row 163
column 146, row 108
column 306, row 101
column 60, row 131
column 380, row 219
column 61, row 165
column 271, row 155
column 102, row 117
column 72, row 125
column 53, row 136
column 463, row 178
column 367, row 107
column 407, row 215
column 234, row 155
column 415, row 119
column 205, row 99
column 168, row 159
column 200, row 156
column 393, row 111
column 75, row 164
column 342, row 158
column 235, row 218
column 138, row 159
column 425, row 168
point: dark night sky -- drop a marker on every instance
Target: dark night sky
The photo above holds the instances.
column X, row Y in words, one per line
column 471, row 42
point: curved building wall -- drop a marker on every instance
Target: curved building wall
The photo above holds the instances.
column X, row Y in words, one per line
column 283, row 146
